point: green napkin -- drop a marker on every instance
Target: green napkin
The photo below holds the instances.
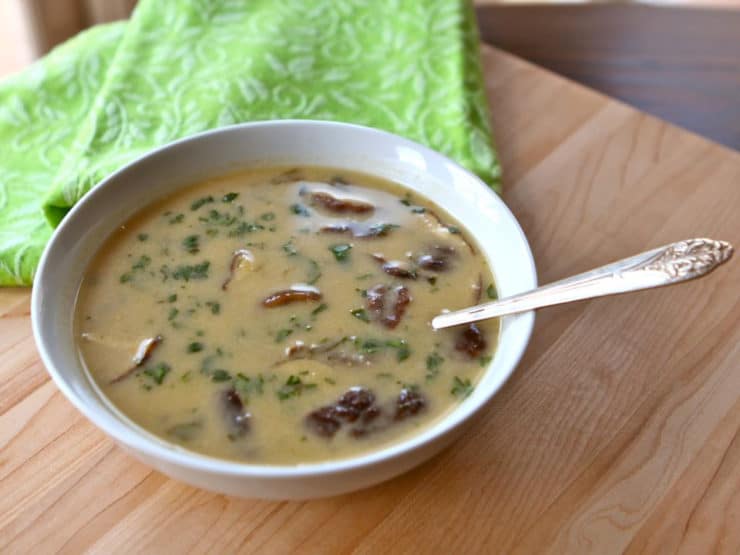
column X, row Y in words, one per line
column 184, row 66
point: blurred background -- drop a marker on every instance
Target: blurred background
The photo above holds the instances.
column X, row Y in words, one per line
column 676, row 59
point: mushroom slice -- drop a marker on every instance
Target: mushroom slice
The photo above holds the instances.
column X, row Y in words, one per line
column 471, row 341
column 241, row 260
column 237, row 419
column 143, row 354
column 340, row 205
column 292, row 295
column 396, row 268
column 360, row 230
column 388, row 305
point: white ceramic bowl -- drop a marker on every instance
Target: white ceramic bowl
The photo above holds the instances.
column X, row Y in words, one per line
column 222, row 151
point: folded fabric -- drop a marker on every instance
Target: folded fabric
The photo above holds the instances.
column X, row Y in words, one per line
column 184, row 66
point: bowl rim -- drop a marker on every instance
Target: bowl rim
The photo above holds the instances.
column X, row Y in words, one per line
column 161, row 449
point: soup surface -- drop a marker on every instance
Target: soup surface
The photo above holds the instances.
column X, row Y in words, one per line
column 283, row 316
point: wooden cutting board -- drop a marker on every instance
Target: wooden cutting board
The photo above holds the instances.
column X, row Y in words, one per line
column 619, row 431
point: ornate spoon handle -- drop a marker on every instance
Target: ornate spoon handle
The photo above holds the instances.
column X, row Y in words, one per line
column 666, row 265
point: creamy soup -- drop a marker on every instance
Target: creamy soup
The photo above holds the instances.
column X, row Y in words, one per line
column 283, row 316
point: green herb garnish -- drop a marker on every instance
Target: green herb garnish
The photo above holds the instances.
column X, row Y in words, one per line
column 434, row 361
column 176, row 219
column 402, row 348
column 191, row 244
column 267, row 216
column 289, row 248
column 158, row 372
column 319, row 309
column 220, row 375
column 195, row 347
column 370, row 346
column 214, row 306
column 461, row 388
column 299, row 210
column 248, row 386
column 341, row 251
column 172, row 298
column 142, row 237
column 360, row 314
column 293, row 387
column 485, row 360
column 187, row 272
column 142, row 263
column 282, row 334
column 218, row 218
column 229, row 197
column 491, row 292
column 245, row 227
column 200, row 202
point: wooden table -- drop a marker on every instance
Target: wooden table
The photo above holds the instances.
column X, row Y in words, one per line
column 619, row 431
column 678, row 63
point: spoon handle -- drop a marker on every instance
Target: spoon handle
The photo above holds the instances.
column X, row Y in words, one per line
column 666, row 265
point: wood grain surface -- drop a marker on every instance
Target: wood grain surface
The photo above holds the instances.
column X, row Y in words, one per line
column 679, row 63
column 618, row 432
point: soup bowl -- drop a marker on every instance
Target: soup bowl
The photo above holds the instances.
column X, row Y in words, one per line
column 275, row 143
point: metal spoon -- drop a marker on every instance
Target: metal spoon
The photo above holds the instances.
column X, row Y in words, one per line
column 666, row 265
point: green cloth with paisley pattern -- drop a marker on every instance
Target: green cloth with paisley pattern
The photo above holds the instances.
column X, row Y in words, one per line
column 184, row 66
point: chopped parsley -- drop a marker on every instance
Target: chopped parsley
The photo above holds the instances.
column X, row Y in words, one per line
column 186, row 272
column 341, row 251
column 293, row 387
column 142, row 263
column 220, row 376
column 461, row 388
column 142, row 237
column 434, row 361
column 370, row 346
column 491, row 292
column 214, row 306
column 402, row 348
column 229, row 197
column 195, row 347
column 157, row 373
column 177, row 218
column 247, row 386
column 201, row 202
column 485, row 360
column 218, row 218
column 191, row 244
column 282, row 334
column 172, row 314
column 267, row 216
column 299, row 210
column 360, row 314
column 381, row 230
column 289, row 248
column 172, row 298
column 245, row 227
column 319, row 309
